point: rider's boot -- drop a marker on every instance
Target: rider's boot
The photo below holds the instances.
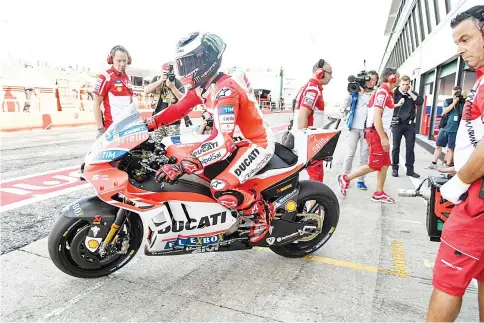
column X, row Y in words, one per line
column 263, row 214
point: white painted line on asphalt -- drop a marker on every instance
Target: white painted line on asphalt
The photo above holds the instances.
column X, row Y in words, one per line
column 42, row 197
column 414, row 180
column 410, row 221
column 91, row 289
column 428, row 264
column 77, row 298
column 76, row 167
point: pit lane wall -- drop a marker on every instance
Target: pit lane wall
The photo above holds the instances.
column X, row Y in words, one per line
column 48, row 109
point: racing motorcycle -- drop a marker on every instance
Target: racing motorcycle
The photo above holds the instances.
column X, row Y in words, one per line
column 99, row 234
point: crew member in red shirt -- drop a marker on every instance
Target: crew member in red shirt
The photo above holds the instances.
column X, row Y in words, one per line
column 113, row 91
column 377, row 136
column 309, row 99
column 461, row 254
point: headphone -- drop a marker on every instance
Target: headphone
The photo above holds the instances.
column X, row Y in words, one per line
column 392, row 78
column 320, row 72
column 113, row 51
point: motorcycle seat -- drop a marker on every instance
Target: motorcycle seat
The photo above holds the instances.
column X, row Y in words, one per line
column 283, row 158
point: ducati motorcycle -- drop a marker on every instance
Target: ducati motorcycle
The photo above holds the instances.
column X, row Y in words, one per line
column 99, row 234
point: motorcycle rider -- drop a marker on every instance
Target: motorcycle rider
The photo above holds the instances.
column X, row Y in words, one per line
column 235, row 109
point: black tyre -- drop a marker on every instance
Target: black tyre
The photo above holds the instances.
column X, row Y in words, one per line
column 327, row 202
column 69, row 253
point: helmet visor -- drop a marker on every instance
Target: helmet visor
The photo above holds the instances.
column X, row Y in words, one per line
column 199, row 58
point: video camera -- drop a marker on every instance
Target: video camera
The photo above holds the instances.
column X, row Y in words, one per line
column 355, row 82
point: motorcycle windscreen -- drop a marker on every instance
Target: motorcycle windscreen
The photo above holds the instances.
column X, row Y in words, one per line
column 118, row 140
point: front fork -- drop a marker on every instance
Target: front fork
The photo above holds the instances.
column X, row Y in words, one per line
column 120, row 217
column 99, row 230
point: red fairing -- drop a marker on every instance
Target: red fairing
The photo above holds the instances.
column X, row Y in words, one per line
column 179, row 110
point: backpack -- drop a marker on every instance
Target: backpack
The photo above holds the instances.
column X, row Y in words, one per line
column 445, row 117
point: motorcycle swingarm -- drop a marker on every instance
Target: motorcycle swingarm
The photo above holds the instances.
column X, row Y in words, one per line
column 283, row 232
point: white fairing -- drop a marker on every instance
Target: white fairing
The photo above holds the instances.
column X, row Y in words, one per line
column 301, row 143
column 208, row 222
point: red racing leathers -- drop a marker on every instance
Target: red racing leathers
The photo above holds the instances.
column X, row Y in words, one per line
column 236, row 114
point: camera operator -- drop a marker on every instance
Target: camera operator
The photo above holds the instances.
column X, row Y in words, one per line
column 460, row 256
column 449, row 123
column 380, row 111
column 356, row 109
column 207, row 124
column 403, row 124
column 309, row 99
column 167, row 89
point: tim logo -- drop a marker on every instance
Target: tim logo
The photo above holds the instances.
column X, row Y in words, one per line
column 226, row 109
column 109, row 155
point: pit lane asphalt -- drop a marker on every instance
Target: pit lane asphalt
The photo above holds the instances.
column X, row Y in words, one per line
column 376, row 267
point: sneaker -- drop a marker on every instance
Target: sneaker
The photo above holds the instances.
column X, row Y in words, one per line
column 432, row 166
column 362, row 186
column 343, row 182
column 382, row 197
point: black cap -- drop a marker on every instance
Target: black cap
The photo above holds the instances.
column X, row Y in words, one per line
column 476, row 12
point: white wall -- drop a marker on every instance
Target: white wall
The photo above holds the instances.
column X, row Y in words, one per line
column 437, row 47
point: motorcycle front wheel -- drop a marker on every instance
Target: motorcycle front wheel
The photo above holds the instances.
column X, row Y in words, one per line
column 69, row 253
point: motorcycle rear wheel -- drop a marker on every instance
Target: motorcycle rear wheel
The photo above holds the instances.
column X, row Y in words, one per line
column 328, row 202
